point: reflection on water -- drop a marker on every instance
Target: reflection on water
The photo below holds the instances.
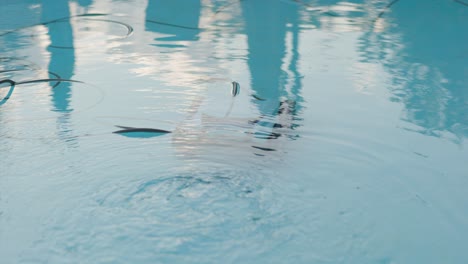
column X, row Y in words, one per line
column 430, row 80
column 273, row 68
column 85, row 4
column 286, row 126
column 161, row 16
column 62, row 61
column 434, row 92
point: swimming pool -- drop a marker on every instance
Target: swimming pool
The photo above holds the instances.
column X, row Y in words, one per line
column 247, row 131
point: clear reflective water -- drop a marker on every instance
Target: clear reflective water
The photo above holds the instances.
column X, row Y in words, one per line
column 123, row 138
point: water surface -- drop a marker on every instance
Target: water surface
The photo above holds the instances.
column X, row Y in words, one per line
column 345, row 143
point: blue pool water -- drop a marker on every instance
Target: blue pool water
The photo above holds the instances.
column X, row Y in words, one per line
column 123, row 138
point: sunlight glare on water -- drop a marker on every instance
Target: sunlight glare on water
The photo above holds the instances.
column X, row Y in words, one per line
column 203, row 131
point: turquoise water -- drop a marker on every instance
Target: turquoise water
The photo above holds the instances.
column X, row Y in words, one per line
column 123, row 138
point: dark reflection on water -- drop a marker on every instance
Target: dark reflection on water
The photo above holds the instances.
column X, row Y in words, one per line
column 426, row 59
column 85, row 3
column 273, row 40
column 271, row 74
column 275, row 79
column 431, row 89
column 177, row 18
column 62, row 61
